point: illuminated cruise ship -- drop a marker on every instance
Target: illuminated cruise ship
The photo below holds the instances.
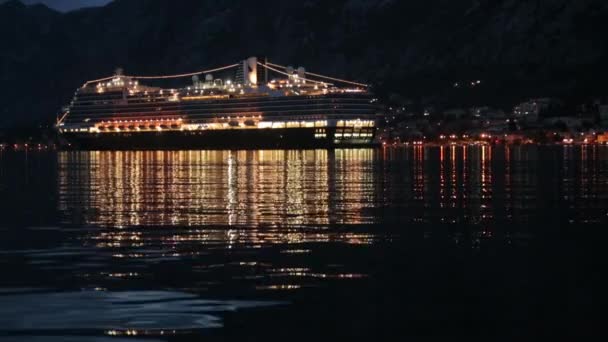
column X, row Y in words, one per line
column 297, row 109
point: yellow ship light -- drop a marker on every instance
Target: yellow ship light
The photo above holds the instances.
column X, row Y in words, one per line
column 204, row 97
column 356, row 123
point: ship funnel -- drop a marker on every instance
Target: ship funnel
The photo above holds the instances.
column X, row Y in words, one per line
column 250, row 71
column 302, row 73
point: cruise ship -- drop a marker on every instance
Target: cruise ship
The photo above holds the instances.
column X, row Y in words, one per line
column 260, row 105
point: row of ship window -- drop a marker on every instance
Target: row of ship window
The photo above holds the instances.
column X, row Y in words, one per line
column 119, row 99
column 227, row 110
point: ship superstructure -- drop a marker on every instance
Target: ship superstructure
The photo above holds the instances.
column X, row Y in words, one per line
column 250, row 110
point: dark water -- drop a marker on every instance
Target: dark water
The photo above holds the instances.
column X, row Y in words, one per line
column 397, row 244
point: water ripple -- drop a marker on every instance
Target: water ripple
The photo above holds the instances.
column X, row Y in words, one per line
column 147, row 313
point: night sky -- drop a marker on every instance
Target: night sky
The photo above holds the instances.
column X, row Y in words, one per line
column 68, row 5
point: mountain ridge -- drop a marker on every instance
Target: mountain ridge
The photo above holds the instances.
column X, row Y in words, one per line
column 418, row 49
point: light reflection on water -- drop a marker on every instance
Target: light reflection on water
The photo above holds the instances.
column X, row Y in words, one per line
column 248, row 188
column 274, row 224
column 271, row 209
column 283, row 189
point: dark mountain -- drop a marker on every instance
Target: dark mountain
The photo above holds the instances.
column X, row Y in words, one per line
column 66, row 5
column 417, row 48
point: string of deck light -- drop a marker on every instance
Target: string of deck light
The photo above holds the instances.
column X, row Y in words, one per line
column 184, row 75
column 286, row 74
column 267, row 65
column 164, row 76
column 325, row 77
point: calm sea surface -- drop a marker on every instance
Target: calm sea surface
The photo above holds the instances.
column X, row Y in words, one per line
column 421, row 243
